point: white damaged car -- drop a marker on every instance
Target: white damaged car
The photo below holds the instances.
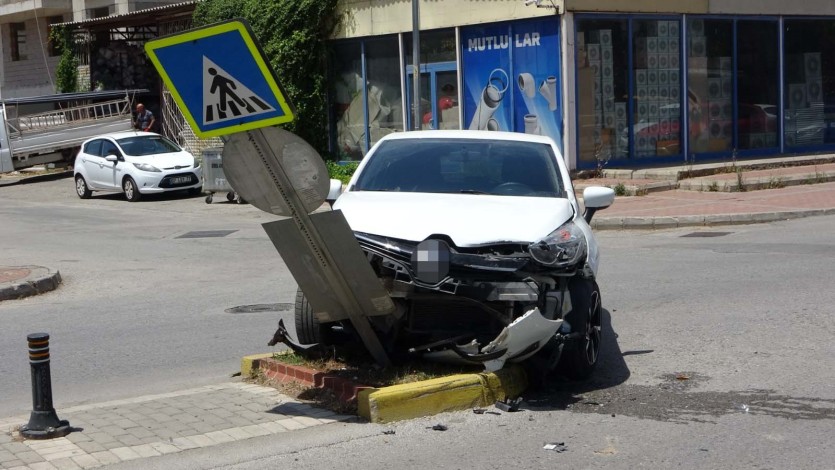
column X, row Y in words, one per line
column 481, row 243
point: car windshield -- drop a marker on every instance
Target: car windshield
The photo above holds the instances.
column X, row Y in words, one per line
column 141, row 145
column 470, row 166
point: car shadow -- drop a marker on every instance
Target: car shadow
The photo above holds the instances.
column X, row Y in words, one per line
column 168, row 196
column 559, row 392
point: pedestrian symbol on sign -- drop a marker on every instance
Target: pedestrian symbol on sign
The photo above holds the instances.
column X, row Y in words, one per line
column 225, row 98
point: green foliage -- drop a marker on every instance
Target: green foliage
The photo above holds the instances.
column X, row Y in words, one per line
column 342, row 172
column 620, row 190
column 66, row 73
column 293, row 34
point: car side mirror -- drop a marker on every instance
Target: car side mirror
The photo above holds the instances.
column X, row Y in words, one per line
column 112, row 157
column 334, row 191
column 596, row 198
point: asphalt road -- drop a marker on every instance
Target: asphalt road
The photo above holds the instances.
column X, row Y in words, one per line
column 718, row 350
column 140, row 309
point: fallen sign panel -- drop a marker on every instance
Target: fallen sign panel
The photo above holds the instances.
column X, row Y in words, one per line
column 347, row 258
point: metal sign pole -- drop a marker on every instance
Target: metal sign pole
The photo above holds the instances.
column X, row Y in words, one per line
column 317, row 246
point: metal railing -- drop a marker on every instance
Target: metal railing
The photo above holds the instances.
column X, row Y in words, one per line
column 177, row 129
column 70, row 116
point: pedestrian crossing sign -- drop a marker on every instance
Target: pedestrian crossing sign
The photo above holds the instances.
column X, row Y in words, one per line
column 220, row 79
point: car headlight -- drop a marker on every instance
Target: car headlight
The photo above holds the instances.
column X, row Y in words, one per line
column 564, row 247
column 196, row 162
column 147, row 167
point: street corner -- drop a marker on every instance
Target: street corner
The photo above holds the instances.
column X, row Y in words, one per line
column 17, row 282
column 430, row 397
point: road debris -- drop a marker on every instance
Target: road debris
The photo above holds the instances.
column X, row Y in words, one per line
column 556, row 447
column 439, row 427
column 479, row 411
column 509, row 405
column 389, row 432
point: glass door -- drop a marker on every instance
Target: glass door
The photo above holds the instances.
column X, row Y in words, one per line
column 439, row 108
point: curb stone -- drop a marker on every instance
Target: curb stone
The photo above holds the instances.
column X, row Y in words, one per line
column 38, row 281
column 405, row 401
column 666, row 222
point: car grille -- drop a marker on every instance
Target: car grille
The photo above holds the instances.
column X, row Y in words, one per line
column 178, row 180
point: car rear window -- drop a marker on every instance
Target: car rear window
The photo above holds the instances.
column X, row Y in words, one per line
column 477, row 166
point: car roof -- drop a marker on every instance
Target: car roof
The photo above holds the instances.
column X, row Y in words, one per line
column 120, row 135
column 467, row 134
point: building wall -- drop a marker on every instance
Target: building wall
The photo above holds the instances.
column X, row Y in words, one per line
column 377, row 17
column 34, row 75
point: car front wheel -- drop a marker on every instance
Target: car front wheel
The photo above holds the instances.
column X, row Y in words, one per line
column 308, row 328
column 580, row 357
column 81, row 187
column 131, row 191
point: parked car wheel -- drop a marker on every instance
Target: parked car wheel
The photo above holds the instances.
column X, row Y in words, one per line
column 131, row 191
column 579, row 358
column 308, row 328
column 81, row 187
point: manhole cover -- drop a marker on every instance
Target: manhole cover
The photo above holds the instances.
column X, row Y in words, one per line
column 706, row 234
column 257, row 308
column 207, row 234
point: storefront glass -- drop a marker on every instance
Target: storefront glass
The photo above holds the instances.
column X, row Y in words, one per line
column 710, row 85
column 347, row 105
column 385, row 108
column 435, row 46
column 810, row 82
column 657, row 90
column 602, row 90
column 758, row 84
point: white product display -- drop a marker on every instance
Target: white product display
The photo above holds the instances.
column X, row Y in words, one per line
column 548, row 89
column 491, row 97
column 527, row 84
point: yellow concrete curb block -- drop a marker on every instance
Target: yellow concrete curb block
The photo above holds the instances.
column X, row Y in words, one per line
column 429, row 397
column 248, row 361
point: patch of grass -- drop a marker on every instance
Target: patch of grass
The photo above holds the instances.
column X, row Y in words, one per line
column 620, row 190
column 713, row 187
column 362, row 371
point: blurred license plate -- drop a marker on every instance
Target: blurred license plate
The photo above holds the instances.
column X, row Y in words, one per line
column 180, row 180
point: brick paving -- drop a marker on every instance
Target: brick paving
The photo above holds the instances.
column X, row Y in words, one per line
column 154, row 425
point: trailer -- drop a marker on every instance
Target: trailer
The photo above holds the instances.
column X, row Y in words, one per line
column 50, row 129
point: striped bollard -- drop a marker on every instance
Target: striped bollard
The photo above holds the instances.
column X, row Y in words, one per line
column 43, row 422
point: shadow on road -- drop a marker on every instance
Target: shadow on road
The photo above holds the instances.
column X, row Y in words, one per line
column 558, row 392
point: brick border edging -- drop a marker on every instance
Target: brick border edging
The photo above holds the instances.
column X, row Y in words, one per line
column 345, row 390
column 31, row 285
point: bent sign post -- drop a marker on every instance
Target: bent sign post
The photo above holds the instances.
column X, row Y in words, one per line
column 223, row 84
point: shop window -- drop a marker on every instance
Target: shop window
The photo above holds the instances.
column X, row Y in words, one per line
column 17, row 41
column 710, row 85
column 602, row 90
column 758, row 84
column 385, row 109
column 657, row 90
column 810, row 82
column 435, row 46
column 347, row 101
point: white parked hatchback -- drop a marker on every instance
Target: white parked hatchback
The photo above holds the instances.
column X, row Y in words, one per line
column 135, row 163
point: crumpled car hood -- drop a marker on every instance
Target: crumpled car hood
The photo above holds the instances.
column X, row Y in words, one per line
column 468, row 219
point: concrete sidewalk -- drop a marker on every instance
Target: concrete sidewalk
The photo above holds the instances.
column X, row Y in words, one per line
column 153, row 425
column 681, row 208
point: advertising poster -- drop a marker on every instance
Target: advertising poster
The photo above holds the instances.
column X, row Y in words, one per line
column 487, row 83
column 512, row 78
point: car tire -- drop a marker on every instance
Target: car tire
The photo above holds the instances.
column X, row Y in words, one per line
column 580, row 357
column 132, row 193
column 81, row 187
column 308, row 328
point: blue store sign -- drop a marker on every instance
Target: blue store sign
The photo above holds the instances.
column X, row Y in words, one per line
column 512, row 78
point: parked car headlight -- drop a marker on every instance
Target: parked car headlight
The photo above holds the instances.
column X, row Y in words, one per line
column 146, row 167
column 196, row 162
column 564, row 247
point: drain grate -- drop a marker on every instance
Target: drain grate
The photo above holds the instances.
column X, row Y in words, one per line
column 706, row 234
column 258, row 308
column 207, row 234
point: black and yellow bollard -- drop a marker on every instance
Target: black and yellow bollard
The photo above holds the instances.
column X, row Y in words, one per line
column 43, row 422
